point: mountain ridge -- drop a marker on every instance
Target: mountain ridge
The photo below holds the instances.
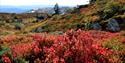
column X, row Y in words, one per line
column 21, row 9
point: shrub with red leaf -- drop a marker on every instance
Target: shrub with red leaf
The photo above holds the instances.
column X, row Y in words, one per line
column 77, row 46
column 5, row 59
column 71, row 47
column 21, row 49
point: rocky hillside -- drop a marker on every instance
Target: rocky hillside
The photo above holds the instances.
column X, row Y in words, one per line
column 101, row 15
column 107, row 15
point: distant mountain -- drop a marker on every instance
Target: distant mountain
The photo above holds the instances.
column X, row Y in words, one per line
column 42, row 10
column 20, row 9
column 30, row 9
column 49, row 10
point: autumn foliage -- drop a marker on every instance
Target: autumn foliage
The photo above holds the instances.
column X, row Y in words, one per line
column 71, row 47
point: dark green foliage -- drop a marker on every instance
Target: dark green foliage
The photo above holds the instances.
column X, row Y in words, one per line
column 2, row 23
column 47, row 28
column 5, row 50
column 122, row 10
column 18, row 26
column 68, row 17
column 20, row 60
column 39, row 18
column 80, row 25
column 92, row 1
column 87, row 26
column 69, row 10
column 111, row 9
column 76, row 10
column 108, row 9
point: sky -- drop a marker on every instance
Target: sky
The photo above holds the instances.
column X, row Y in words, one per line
column 42, row 2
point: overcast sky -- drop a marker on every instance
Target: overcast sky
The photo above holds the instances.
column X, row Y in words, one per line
column 42, row 2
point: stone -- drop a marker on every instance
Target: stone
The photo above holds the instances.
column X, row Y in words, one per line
column 39, row 18
column 39, row 29
column 96, row 26
column 113, row 26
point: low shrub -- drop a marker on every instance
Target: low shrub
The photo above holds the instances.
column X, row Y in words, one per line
column 71, row 47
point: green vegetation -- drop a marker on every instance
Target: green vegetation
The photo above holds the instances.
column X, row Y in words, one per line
column 81, row 17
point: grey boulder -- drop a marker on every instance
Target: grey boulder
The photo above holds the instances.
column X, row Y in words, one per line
column 96, row 26
column 113, row 26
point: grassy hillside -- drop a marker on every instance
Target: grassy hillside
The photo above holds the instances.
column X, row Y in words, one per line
column 81, row 17
column 100, row 11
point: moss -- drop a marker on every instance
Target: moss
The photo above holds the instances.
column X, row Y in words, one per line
column 114, row 44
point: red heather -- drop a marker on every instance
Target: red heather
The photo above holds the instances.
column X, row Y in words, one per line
column 5, row 59
column 71, row 47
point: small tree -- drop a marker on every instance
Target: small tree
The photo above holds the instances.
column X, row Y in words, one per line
column 92, row 1
column 56, row 9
